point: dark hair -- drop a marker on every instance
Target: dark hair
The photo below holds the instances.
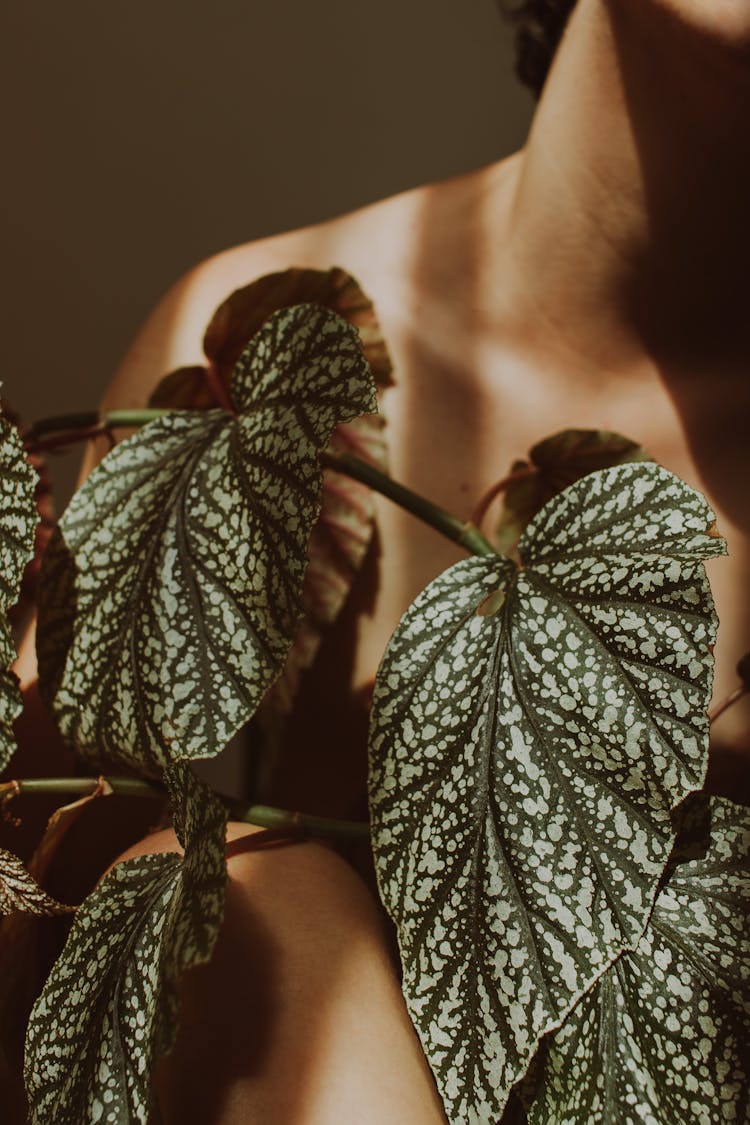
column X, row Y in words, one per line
column 539, row 28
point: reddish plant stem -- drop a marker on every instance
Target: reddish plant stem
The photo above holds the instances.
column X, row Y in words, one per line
column 480, row 510
column 68, row 437
column 217, row 388
column 725, row 704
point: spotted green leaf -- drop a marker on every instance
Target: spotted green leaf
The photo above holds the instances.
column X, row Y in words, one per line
column 18, row 520
column 109, row 1008
column 171, row 595
column 531, row 731
column 343, row 532
column 663, row 1035
column 19, row 890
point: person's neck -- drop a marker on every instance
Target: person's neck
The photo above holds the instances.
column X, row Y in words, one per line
column 627, row 232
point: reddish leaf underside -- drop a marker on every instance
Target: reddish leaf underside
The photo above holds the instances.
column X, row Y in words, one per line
column 553, row 465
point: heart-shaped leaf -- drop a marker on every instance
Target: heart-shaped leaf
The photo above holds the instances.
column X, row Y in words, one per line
column 171, row 595
column 19, row 890
column 343, row 532
column 109, row 1008
column 18, row 519
column 662, row 1037
column 531, row 732
column 554, row 464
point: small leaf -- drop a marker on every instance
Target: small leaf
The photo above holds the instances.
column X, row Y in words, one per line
column 20, row 891
column 18, row 520
column 110, row 1006
column 58, row 826
column 662, row 1037
column 554, row 464
column 524, row 766
column 171, row 595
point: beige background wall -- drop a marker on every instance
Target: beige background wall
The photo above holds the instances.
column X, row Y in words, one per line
column 141, row 137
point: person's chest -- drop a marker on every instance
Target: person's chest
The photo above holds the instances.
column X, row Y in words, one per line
column 460, row 412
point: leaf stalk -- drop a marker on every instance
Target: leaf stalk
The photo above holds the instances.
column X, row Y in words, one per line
column 265, row 816
column 464, row 533
column 724, row 705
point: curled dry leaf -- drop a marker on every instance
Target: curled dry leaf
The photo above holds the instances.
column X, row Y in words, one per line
column 19, row 890
column 662, row 1037
column 20, row 937
column 171, row 594
column 58, row 825
column 110, row 1006
column 524, row 765
column 343, row 531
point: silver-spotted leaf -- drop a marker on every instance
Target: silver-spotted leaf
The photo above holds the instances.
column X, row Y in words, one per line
column 531, row 731
column 18, row 520
column 663, row 1036
column 171, row 595
column 109, row 1008
column 343, row 531
column 19, row 890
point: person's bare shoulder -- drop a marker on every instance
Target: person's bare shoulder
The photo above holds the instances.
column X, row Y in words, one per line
column 368, row 243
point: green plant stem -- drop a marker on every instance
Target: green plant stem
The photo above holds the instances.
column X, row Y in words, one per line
column 465, row 534
column 268, row 817
column 265, row 816
column 116, row 419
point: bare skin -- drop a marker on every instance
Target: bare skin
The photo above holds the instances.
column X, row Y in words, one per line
column 596, row 279
column 298, row 1018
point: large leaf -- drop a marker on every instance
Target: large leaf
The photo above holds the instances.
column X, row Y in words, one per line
column 343, row 532
column 18, row 520
column 531, row 732
column 19, row 890
column 663, row 1036
column 109, row 1008
column 553, row 465
column 171, row 595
